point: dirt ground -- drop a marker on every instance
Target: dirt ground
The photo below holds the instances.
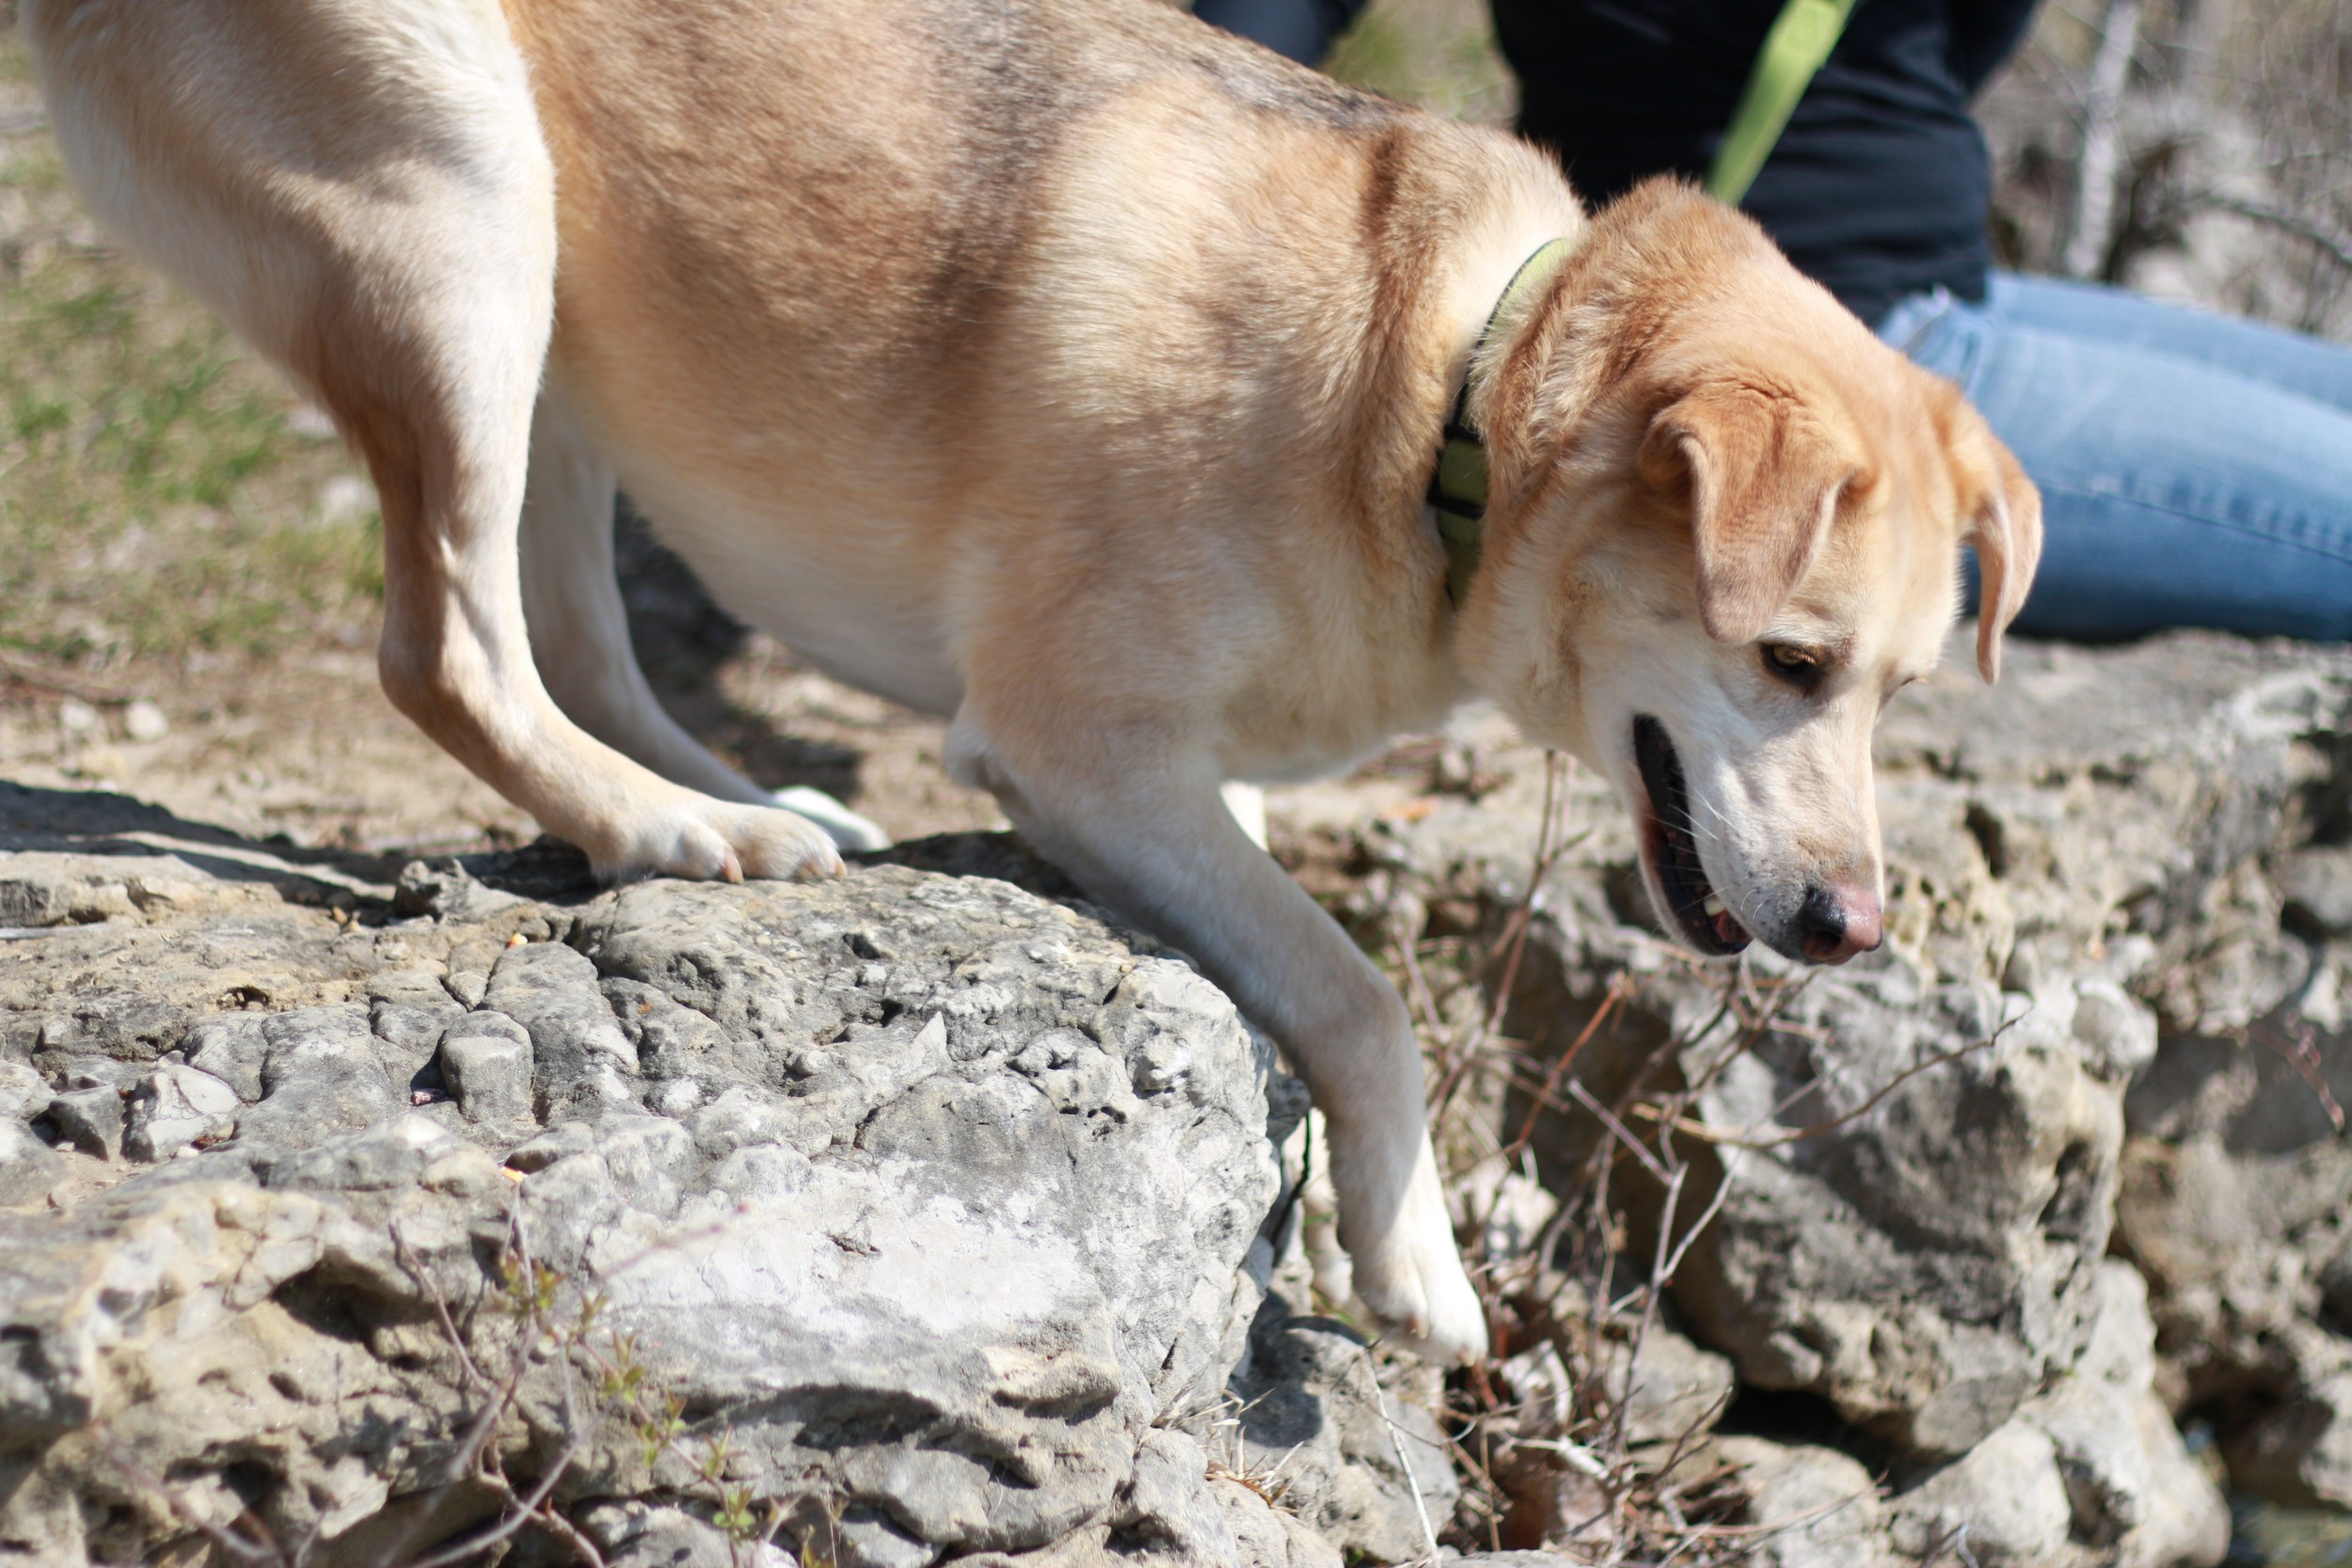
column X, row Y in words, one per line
column 306, row 745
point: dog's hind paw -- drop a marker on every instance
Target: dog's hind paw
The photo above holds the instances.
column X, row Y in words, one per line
column 850, row 831
column 704, row 840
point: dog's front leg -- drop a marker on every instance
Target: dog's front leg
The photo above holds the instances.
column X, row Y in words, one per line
column 1144, row 827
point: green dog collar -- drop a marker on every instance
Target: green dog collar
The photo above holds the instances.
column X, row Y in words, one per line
column 1457, row 487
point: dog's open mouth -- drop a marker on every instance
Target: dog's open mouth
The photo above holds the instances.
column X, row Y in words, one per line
column 1674, row 854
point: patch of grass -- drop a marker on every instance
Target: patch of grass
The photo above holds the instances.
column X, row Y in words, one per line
column 155, row 496
column 1438, row 54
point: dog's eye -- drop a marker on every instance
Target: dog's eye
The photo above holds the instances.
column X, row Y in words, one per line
column 1801, row 668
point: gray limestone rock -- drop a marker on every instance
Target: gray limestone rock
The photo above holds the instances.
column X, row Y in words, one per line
column 635, row 1534
column 2089, row 1472
column 933, row 1195
column 2316, row 888
column 2115, row 1035
column 2236, row 1206
column 2118, row 869
column 1678, row 1388
column 444, row 889
column 24, row 1093
column 29, row 1168
column 1268, row 1537
column 89, row 1072
column 671, row 1041
column 90, row 1118
column 315, row 1106
column 1925, row 1260
column 578, row 1051
column 1820, row 1508
column 173, row 1106
column 232, row 1049
column 333, row 1036
column 2004, row 1500
column 1345, row 1456
column 408, row 1030
column 947, row 1198
column 486, row 1062
column 320, row 1078
column 1976, row 1195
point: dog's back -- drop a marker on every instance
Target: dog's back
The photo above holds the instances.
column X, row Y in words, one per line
column 871, row 297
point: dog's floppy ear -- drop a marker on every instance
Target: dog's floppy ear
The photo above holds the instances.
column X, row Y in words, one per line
column 2000, row 513
column 1762, row 477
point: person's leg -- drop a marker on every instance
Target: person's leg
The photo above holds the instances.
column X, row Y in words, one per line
column 2175, row 494
column 1302, row 30
column 2291, row 361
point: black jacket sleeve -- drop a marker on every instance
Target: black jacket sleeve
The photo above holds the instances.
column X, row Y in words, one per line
column 1984, row 34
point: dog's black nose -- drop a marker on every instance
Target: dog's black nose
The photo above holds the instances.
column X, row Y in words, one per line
column 1837, row 921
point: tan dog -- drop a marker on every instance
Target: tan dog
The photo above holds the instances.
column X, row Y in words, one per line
column 1074, row 370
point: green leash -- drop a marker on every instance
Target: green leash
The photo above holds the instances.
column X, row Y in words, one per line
column 1801, row 39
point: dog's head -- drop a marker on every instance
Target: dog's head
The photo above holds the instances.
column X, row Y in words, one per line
column 1723, row 532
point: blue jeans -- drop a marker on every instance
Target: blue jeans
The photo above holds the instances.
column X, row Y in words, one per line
column 2195, row 470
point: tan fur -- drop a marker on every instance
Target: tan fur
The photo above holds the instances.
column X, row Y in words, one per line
column 1076, row 371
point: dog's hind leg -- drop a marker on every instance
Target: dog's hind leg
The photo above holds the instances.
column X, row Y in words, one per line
column 579, row 637
column 361, row 188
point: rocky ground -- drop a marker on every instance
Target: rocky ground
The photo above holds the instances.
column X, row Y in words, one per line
column 907, row 1215
column 361, row 1204
column 377, row 1203
column 1992, row 1217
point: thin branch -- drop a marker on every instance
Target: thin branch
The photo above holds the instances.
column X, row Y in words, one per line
column 1707, row 1215
column 1620, row 987
column 26, row 672
column 1397, row 1443
column 1795, row 1521
column 2301, row 1052
column 2333, row 247
column 1617, row 1127
column 414, row 1267
column 1747, row 1138
column 520, row 1512
column 1621, row 1419
column 1552, row 842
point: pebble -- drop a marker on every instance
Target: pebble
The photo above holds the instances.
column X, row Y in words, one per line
column 143, row 721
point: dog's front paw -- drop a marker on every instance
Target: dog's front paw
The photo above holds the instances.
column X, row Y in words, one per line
column 1410, row 1272
column 704, row 840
